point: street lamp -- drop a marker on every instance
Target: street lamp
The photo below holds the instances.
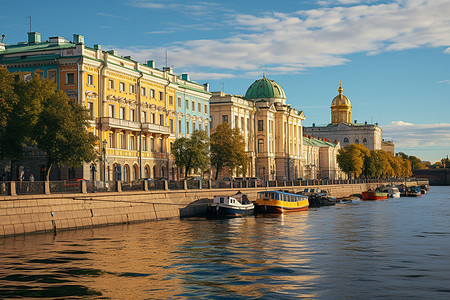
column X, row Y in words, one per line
column 104, row 144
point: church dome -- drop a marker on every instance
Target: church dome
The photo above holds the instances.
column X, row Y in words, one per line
column 340, row 100
column 264, row 89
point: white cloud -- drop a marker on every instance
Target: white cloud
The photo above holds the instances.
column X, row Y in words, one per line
column 444, row 81
column 419, row 138
column 322, row 37
column 447, row 51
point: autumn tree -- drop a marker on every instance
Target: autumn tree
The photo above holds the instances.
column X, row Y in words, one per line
column 8, row 99
column 228, row 150
column 61, row 131
column 379, row 165
column 351, row 159
column 192, row 153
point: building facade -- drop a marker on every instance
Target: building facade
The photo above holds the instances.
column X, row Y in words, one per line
column 341, row 130
column 271, row 128
column 133, row 106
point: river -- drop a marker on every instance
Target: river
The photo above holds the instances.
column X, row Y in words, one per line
column 392, row 249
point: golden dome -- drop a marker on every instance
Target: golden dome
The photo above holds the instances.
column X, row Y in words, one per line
column 340, row 100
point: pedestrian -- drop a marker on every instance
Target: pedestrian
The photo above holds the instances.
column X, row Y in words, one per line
column 31, row 177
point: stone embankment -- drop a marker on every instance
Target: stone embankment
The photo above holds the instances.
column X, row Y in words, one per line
column 26, row 214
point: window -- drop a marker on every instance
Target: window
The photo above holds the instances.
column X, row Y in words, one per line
column 206, row 109
column 51, row 75
column 357, row 141
column 236, row 122
column 132, row 142
column 345, row 140
column 111, row 140
column 122, row 86
column 132, row 89
column 144, row 91
column 364, row 140
column 248, row 124
column 144, row 144
column 40, row 74
column 144, row 117
column 111, row 111
column 242, row 123
column 170, row 100
column 161, row 96
column 122, row 113
column 153, row 118
column 161, row 145
column 161, row 120
column 179, row 101
column 90, row 108
column 132, row 114
column 199, row 107
column 179, row 126
column 123, row 141
column 260, row 145
column 152, row 93
column 193, row 105
column 111, row 84
column 193, row 125
column 90, row 79
column 171, row 125
column 152, row 144
column 224, row 118
column 70, row 78
column 260, row 125
column 187, row 127
column 187, row 104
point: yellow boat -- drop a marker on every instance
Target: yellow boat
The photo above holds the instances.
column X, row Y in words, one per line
column 279, row 202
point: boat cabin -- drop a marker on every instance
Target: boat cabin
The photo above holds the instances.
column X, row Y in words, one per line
column 275, row 195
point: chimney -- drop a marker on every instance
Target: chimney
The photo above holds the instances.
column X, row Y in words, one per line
column 113, row 52
column 129, row 57
column 151, row 63
column 78, row 39
column 57, row 40
column 206, row 85
column 97, row 47
column 34, row 37
column 168, row 69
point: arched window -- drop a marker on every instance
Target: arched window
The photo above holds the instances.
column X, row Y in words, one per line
column 357, row 141
column 126, row 173
column 155, row 171
column 147, row 171
column 345, row 140
column 364, row 140
column 135, row 174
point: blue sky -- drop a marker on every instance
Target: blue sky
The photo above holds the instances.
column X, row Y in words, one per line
column 393, row 57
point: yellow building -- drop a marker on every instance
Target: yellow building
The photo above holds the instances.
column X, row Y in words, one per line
column 132, row 104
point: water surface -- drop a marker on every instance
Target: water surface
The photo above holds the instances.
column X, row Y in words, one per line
column 393, row 249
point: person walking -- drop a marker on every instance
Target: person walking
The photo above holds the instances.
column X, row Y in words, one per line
column 31, row 177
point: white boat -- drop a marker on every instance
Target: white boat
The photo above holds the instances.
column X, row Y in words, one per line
column 231, row 206
column 392, row 191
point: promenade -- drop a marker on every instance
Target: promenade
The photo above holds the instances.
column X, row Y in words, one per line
column 53, row 206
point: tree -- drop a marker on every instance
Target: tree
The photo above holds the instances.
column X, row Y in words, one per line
column 228, row 150
column 380, row 165
column 192, row 153
column 351, row 159
column 8, row 99
column 61, row 131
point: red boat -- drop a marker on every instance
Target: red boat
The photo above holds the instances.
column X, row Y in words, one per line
column 374, row 195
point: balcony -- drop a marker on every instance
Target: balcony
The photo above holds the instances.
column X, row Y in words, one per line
column 108, row 123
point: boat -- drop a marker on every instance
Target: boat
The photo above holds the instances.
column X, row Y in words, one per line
column 412, row 191
column 374, row 195
column 392, row 191
column 280, row 202
column 424, row 189
column 231, row 206
column 318, row 197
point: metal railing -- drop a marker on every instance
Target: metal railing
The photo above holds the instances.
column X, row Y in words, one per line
column 69, row 186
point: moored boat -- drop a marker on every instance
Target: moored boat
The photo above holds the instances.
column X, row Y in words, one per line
column 374, row 195
column 392, row 191
column 279, row 202
column 231, row 206
column 318, row 197
column 412, row 191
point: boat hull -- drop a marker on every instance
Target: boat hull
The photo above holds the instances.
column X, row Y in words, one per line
column 278, row 206
column 229, row 211
column 370, row 195
column 273, row 209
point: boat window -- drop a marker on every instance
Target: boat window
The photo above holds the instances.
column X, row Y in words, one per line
column 222, row 200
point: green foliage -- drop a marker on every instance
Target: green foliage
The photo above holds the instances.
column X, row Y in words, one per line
column 34, row 112
column 192, row 153
column 228, row 150
column 61, row 132
column 351, row 159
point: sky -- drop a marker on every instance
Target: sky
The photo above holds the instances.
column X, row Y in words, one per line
column 392, row 57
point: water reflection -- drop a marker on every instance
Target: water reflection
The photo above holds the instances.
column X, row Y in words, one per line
column 390, row 249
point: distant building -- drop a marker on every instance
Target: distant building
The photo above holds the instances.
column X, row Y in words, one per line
column 320, row 159
column 135, row 107
column 388, row 146
column 341, row 130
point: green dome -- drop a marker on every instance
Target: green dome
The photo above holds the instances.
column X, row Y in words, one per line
column 264, row 89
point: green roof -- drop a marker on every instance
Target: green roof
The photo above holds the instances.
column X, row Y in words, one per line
column 265, row 89
column 19, row 48
column 316, row 142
